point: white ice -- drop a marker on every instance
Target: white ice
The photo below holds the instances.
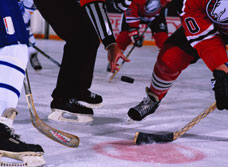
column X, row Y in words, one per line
column 108, row 141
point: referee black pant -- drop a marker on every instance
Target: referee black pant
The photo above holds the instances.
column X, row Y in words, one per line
column 71, row 23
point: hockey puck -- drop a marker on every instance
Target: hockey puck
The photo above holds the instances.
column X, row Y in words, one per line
column 127, row 79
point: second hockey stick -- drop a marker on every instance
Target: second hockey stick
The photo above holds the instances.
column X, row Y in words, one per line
column 129, row 53
column 45, row 55
column 59, row 136
column 147, row 138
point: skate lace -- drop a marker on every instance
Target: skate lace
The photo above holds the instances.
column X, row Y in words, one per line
column 146, row 100
column 93, row 95
column 74, row 101
column 12, row 133
column 145, row 106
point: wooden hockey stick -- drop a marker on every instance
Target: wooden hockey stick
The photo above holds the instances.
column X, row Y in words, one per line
column 59, row 136
column 146, row 138
column 129, row 53
column 45, row 55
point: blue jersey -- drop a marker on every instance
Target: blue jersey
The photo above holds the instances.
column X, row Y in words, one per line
column 12, row 26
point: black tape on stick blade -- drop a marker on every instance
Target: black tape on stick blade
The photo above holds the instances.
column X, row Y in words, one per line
column 127, row 79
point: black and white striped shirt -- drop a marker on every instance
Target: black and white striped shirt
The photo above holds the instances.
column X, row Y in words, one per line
column 97, row 13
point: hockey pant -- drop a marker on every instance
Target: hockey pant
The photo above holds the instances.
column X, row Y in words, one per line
column 13, row 62
column 215, row 55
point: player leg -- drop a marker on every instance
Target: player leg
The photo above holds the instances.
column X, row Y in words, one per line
column 123, row 39
column 159, row 29
column 27, row 8
column 76, row 72
column 170, row 62
column 215, row 57
column 33, row 54
column 13, row 61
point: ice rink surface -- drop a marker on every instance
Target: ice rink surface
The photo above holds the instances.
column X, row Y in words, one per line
column 108, row 141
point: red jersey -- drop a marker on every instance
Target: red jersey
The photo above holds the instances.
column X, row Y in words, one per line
column 83, row 2
column 206, row 28
column 204, row 19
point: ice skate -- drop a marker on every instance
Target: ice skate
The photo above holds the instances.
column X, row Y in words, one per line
column 35, row 63
column 89, row 99
column 12, row 147
column 60, row 107
column 145, row 107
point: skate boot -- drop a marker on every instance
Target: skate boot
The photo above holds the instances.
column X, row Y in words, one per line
column 12, row 147
column 89, row 99
column 35, row 63
column 145, row 107
column 70, row 106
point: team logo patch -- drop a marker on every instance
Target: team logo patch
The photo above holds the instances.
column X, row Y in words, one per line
column 152, row 6
column 217, row 11
column 9, row 25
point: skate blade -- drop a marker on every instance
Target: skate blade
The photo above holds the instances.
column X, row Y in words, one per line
column 29, row 159
column 129, row 121
column 57, row 115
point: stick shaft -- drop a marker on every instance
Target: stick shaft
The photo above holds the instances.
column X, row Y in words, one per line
column 47, row 56
column 59, row 136
column 196, row 120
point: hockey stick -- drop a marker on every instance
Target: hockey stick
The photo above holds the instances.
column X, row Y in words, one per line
column 146, row 138
column 59, row 136
column 45, row 55
column 128, row 54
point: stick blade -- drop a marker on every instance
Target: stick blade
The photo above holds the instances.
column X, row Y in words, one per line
column 146, row 138
column 59, row 136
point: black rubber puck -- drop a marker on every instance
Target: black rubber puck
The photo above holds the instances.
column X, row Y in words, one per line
column 127, row 79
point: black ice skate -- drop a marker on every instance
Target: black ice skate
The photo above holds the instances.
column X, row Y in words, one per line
column 12, row 147
column 35, row 63
column 145, row 107
column 89, row 99
column 70, row 106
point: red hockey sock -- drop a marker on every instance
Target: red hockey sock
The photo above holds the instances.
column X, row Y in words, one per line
column 170, row 62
